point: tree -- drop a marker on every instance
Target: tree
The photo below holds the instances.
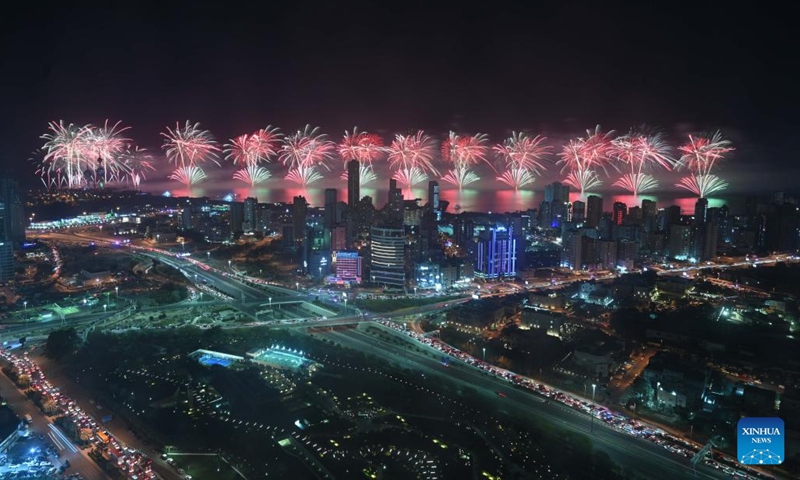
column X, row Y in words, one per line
column 60, row 343
column 24, row 380
column 49, row 406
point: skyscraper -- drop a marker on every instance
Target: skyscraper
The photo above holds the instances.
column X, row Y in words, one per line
column 700, row 211
column 299, row 213
column 387, row 256
column 594, row 210
column 14, row 217
column 329, row 215
column 433, row 196
column 250, row 205
column 353, row 183
column 6, row 248
column 394, row 208
column 558, row 196
column 578, row 211
column 496, row 253
column 620, row 212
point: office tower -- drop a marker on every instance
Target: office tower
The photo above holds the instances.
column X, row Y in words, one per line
column 571, row 246
column 394, row 208
column 620, row 211
column 6, row 247
column 673, row 215
column 649, row 213
column 250, row 206
column 496, row 253
column 710, row 239
column 433, row 196
column 594, row 210
column 634, row 215
column 578, row 211
column 387, row 256
column 236, row 211
column 263, row 218
column 347, row 266
column 299, row 213
column 606, row 252
column 329, row 215
column 353, row 183
column 14, row 218
column 545, row 214
column 680, row 241
column 700, row 211
column 558, row 196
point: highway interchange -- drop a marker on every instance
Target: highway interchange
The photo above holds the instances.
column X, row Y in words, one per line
column 648, row 459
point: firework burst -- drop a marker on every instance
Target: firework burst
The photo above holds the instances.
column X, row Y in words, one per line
column 702, row 185
column 700, row 154
column 304, row 175
column 65, row 154
column 361, row 146
column 253, row 149
column 306, row 148
column 188, row 175
column 638, row 153
column 366, row 175
column 461, row 177
column 252, row 174
column 135, row 163
column 411, row 176
column 463, row 152
column 517, row 178
column 582, row 157
column 583, row 180
column 410, row 152
column 189, row 145
column 522, row 152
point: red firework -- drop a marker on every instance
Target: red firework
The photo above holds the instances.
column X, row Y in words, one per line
column 412, row 151
column 361, row 146
column 700, row 154
column 464, row 151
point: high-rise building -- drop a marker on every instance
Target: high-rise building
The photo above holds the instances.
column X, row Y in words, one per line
column 496, row 253
column 347, row 266
column 571, row 249
column 394, row 208
column 299, row 213
column 236, row 216
column 353, row 183
column 558, row 196
column 620, row 211
column 578, row 211
column 594, row 210
column 250, row 206
column 6, row 260
column 387, row 256
column 648, row 209
column 14, row 217
column 433, row 196
column 329, row 215
column 680, row 241
column 780, row 228
column 700, row 211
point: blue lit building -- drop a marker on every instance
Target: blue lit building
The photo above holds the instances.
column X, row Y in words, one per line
column 496, row 253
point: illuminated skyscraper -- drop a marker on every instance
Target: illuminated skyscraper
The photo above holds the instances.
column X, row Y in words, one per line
column 496, row 253
column 387, row 256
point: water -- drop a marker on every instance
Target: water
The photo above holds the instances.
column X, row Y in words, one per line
column 486, row 195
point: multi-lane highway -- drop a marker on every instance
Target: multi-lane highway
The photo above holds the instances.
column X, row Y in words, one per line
column 651, row 461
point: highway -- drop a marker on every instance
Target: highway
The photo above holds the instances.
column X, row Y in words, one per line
column 41, row 425
column 648, row 459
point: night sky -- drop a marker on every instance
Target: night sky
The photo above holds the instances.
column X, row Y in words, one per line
column 390, row 66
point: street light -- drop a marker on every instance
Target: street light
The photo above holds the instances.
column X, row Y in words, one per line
column 25, row 302
column 117, row 289
column 270, row 308
column 484, row 354
column 297, row 285
column 105, row 307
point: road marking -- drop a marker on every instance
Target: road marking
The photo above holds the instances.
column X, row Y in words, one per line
column 55, row 440
column 63, row 437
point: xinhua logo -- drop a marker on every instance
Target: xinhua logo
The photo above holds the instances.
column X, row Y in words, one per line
column 760, row 441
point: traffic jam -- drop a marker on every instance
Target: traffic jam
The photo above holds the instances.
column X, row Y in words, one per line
column 657, row 436
column 129, row 461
